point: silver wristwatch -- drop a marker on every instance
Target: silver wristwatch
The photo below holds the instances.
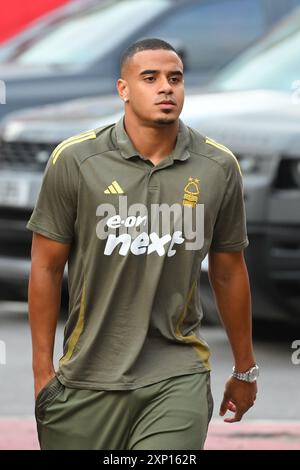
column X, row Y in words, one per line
column 250, row 375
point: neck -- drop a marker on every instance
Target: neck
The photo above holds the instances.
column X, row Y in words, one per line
column 153, row 142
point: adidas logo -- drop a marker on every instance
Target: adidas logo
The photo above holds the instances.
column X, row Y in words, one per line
column 114, row 188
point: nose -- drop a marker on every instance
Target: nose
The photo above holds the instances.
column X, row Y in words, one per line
column 165, row 86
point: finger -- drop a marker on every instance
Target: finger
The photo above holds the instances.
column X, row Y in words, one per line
column 232, row 407
column 224, row 406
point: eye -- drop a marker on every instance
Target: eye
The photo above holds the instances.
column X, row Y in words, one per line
column 175, row 79
column 149, row 79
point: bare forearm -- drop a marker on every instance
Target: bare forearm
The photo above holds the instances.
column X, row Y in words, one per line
column 234, row 303
column 44, row 304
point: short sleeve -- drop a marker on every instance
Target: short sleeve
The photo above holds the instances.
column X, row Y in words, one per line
column 230, row 232
column 54, row 214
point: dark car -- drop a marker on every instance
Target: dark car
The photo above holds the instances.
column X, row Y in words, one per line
column 78, row 56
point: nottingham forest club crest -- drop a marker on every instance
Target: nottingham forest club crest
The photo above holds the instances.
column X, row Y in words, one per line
column 191, row 192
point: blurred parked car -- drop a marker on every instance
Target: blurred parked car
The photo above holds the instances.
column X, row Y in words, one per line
column 79, row 54
column 253, row 107
column 16, row 15
column 42, row 25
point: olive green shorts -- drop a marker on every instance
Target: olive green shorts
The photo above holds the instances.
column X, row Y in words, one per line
column 171, row 414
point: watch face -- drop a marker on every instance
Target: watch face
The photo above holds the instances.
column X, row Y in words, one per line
column 253, row 373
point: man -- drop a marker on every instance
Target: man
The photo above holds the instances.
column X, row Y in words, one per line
column 134, row 208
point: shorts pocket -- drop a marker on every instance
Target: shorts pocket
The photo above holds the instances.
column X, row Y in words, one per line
column 46, row 396
column 210, row 401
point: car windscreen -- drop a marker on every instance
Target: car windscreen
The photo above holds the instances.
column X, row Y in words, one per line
column 273, row 64
column 83, row 38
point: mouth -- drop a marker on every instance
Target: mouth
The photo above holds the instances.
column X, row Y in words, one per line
column 166, row 103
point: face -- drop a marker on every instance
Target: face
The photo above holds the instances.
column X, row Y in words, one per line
column 152, row 87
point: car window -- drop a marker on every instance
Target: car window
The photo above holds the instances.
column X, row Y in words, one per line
column 281, row 9
column 79, row 39
column 208, row 31
column 276, row 67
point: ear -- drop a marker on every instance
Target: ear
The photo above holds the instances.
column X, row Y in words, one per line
column 122, row 88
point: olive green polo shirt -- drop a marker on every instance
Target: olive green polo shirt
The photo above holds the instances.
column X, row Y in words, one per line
column 138, row 234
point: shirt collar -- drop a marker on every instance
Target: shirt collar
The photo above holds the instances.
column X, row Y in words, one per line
column 127, row 149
